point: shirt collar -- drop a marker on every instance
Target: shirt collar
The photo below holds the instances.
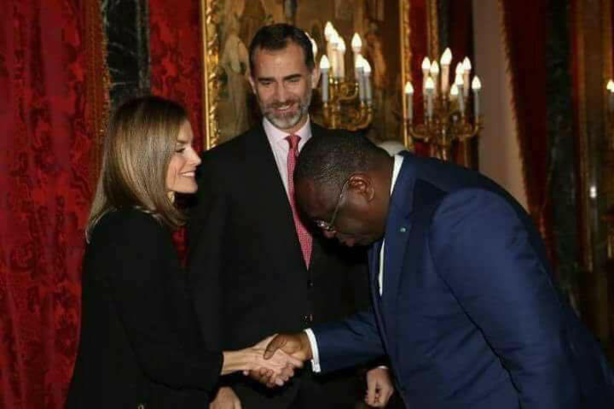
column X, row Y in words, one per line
column 396, row 169
column 277, row 135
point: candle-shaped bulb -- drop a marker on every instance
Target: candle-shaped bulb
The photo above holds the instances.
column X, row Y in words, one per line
column 333, row 53
column 360, row 76
column 314, row 48
column 454, row 91
column 409, row 101
column 454, row 96
column 458, row 80
column 367, row 79
column 426, row 64
column 459, row 69
column 324, row 63
column 435, row 75
column 328, row 30
column 341, row 45
column 446, row 60
column 426, row 70
column 466, row 65
column 409, row 89
column 466, row 74
column 356, row 43
column 434, row 69
column 610, row 86
column 476, row 84
column 446, row 57
column 334, row 38
column 360, row 62
column 430, row 85
column 341, row 50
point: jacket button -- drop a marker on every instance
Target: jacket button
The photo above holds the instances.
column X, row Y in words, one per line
column 309, row 283
column 308, row 319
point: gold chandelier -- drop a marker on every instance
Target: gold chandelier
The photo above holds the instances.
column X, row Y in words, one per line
column 347, row 100
column 447, row 115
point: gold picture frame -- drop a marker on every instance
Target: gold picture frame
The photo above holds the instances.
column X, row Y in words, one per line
column 227, row 26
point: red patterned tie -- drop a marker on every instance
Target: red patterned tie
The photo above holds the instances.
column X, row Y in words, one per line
column 304, row 237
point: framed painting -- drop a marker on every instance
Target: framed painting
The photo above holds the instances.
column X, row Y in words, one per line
column 228, row 26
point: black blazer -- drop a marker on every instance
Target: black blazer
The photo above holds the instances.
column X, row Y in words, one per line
column 246, row 267
column 139, row 341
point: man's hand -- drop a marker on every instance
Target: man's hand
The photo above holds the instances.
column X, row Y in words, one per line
column 379, row 387
column 296, row 345
column 272, row 368
column 225, row 399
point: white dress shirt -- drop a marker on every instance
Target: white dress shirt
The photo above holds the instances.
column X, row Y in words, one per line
column 280, row 146
column 315, row 361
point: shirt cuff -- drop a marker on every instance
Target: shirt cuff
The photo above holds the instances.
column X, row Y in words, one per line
column 315, row 360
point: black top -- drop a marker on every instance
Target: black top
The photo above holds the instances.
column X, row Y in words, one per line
column 140, row 342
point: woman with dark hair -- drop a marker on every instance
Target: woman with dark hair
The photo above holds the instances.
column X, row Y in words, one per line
column 140, row 346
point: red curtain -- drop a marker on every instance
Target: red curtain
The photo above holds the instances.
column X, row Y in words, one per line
column 526, row 23
column 460, row 29
column 51, row 111
column 176, row 56
column 418, row 45
column 176, row 63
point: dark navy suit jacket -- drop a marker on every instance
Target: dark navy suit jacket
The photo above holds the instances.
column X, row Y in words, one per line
column 469, row 314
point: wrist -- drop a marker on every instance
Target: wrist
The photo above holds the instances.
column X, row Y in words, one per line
column 235, row 361
column 305, row 345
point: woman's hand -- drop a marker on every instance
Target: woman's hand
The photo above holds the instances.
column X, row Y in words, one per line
column 275, row 370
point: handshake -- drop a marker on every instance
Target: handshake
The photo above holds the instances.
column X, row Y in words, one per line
column 273, row 360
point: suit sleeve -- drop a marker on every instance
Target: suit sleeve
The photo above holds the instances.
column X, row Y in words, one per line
column 138, row 281
column 350, row 342
column 488, row 257
column 360, row 282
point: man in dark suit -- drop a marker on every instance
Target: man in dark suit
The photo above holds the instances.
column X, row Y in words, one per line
column 249, row 251
column 464, row 302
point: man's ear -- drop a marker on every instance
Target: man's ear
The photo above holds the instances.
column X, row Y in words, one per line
column 362, row 184
column 315, row 77
column 252, row 82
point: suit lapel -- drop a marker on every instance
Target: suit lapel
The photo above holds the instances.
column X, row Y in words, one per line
column 398, row 228
column 374, row 261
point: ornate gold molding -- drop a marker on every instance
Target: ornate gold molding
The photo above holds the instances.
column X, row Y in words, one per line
column 212, row 14
column 433, row 28
column 404, row 10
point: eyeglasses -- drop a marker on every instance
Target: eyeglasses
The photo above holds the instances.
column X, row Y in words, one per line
column 329, row 226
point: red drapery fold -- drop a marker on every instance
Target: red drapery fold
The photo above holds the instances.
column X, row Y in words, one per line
column 460, row 29
column 51, row 109
column 526, row 23
column 176, row 63
column 418, row 44
column 176, row 56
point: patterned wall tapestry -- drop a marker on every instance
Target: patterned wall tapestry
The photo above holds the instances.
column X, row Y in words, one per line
column 52, row 108
column 175, row 52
